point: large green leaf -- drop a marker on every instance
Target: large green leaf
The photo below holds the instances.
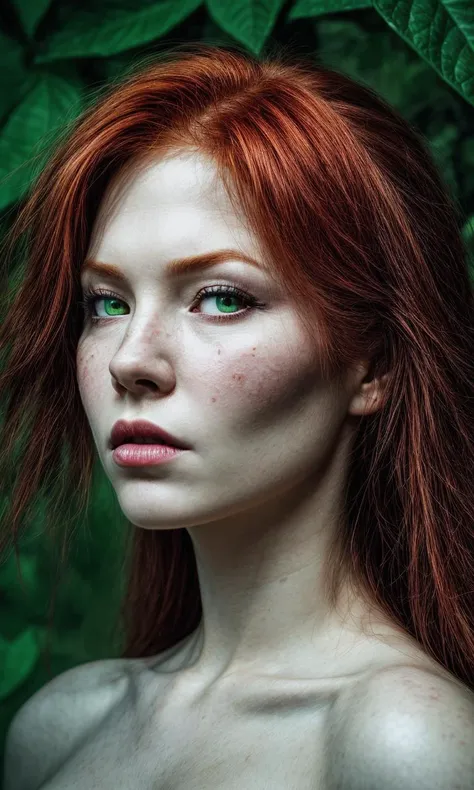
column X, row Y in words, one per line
column 441, row 31
column 113, row 27
column 15, row 79
column 346, row 45
column 248, row 21
column 44, row 110
column 445, row 40
column 460, row 11
column 305, row 8
column 30, row 13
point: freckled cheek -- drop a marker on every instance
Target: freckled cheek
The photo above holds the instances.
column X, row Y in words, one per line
column 88, row 377
column 249, row 381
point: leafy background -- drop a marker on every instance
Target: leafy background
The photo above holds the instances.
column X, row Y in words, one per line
column 55, row 58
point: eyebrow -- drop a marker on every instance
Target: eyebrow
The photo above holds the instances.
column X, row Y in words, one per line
column 178, row 266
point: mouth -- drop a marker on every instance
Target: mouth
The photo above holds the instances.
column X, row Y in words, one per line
column 142, row 432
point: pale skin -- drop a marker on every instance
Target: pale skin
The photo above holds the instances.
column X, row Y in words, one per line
column 260, row 489
column 275, row 688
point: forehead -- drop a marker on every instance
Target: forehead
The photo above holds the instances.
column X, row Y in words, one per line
column 175, row 205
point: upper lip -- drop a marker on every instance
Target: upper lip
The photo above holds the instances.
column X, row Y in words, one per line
column 123, row 430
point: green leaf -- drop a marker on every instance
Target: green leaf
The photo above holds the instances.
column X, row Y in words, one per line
column 30, row 12
column 345, row 45
column 462, row 12
column 15, row 79
column 52, row 101
column 305, row 8
column 114, row 28
column 248, row 21
column 442, row 32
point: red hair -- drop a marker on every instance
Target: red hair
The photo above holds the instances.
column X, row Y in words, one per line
column 358, row 224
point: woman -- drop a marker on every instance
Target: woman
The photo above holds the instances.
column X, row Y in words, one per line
column 302, row 574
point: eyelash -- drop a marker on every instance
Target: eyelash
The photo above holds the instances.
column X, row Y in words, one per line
column 91, row 296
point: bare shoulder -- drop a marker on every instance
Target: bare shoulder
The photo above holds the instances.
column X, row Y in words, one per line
column 420, row 694
column 419, row 680
column 53, row 721
column 405, row 728
column 75, row 694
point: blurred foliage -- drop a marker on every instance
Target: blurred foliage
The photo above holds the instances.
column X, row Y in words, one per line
column 55, row 58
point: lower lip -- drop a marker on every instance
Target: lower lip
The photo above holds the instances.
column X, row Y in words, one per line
column 144, row 454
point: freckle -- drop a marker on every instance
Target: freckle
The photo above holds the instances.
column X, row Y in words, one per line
column 218, row 351
column 238, row 376
column 213, row 400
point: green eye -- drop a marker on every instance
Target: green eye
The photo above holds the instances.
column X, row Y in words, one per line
column 223, row 294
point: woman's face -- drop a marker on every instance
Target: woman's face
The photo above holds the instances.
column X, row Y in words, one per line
column 245, row 393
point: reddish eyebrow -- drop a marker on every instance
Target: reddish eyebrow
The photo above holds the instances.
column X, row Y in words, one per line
column 178, row 266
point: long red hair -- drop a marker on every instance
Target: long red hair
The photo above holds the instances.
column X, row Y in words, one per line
column 357, row 222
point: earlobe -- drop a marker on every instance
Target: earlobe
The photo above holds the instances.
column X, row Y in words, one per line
column 370, row 396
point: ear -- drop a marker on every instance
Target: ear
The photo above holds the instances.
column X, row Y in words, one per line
column 368, row 390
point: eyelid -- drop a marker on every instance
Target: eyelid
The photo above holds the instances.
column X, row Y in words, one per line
column 202, row 278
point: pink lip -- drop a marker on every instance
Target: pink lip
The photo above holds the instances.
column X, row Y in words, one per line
column 144, row 454
column 124, row 430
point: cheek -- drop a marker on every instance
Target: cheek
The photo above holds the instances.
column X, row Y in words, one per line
column 88, row 379
column 259, row 381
